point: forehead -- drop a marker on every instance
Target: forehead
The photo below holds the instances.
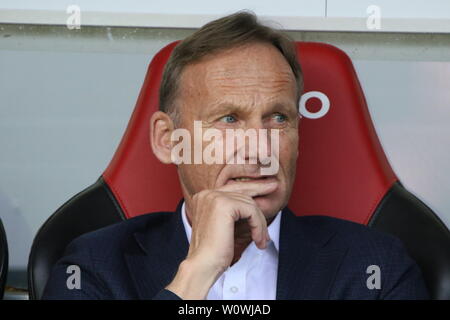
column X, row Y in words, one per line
column 256, row 71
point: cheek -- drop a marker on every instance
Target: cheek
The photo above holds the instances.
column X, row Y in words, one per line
column 289, row 151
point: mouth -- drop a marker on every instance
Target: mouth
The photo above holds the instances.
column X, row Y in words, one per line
column 258, row 179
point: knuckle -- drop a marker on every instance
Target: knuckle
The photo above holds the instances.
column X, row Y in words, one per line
column 202, row 194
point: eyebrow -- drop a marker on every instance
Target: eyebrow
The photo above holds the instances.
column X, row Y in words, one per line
column 285, row 107
column 230, row 108
column 222, row 108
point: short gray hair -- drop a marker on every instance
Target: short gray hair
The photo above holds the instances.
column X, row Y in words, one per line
column 231, row 31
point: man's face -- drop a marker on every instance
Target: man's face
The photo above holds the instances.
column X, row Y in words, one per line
column 249, row 87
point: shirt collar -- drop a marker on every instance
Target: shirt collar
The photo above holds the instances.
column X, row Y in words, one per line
column 273, row 228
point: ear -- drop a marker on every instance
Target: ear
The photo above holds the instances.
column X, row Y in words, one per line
column 161, row 127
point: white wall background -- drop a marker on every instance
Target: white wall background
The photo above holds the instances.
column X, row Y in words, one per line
column 265, row 7
column 66, row 97
column 317, row 15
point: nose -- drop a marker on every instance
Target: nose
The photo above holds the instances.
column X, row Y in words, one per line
column 254, row 144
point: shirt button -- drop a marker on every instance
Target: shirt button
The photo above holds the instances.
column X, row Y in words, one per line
column 234, row 289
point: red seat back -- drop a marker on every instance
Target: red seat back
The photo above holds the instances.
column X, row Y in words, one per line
column 342, row 170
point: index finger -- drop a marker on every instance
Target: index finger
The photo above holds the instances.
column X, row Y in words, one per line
column 251, row 189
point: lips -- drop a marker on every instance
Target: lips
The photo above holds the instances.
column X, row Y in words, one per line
column 254, row 179
column 244, row 179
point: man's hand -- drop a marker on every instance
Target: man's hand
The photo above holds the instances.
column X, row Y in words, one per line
column 214, row 215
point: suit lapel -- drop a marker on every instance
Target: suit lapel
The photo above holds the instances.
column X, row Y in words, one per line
column 306, row 265
column 154, row 261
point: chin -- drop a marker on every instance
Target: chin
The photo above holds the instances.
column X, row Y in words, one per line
column 269, row 205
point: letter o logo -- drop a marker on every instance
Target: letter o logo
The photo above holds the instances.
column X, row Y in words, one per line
column 314, row 115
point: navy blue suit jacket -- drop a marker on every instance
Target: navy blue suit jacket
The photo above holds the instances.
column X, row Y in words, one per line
column 319, row 258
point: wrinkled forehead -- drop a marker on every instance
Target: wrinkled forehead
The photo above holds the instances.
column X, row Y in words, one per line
column 247, row 72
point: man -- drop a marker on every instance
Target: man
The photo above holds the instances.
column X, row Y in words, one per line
column 233, row 237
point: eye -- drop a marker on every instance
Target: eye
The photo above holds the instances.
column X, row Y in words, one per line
column 280, row 118
column 228, row 119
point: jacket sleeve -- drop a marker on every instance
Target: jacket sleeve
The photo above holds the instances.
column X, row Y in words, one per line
column 404, row 279
column 73, row 277
column 62, row 284
column 166, row 295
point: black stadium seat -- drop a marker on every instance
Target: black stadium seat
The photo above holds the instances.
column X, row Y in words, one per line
column 342, row 172
column 3, row 259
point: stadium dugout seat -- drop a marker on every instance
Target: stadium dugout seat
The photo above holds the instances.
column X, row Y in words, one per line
column 342, row 172
column 3, row 259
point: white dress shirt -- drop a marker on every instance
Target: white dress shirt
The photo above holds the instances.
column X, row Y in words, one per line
column 254, row 275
